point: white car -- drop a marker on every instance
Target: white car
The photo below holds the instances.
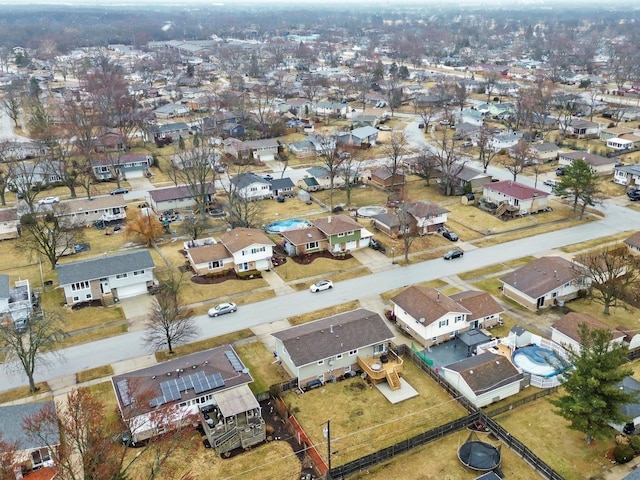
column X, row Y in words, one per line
column 48, row 200
column 321, row 285
column 385, row 128
column 223, row 308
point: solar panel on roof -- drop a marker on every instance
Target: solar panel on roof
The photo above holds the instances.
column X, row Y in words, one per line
column 170, row 390
column 235, row 361
column 216, row 380
column 123, row 389
column 199, row 381
column 156, row 402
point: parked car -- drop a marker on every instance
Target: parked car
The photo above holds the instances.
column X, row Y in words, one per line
column 560, row 171
column 634, row 194
column 452, row 236
column 384, row 128
column 222, row 308
column 119, row 191
column 48, row 200
column 445, row 121
column 453, row 254
column 267, row 177
column 550, row 182
column 376, row 245
column 321, row 285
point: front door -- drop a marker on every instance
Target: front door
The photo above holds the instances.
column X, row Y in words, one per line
column 104, row 286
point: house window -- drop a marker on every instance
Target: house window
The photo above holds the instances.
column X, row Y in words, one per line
column 341, row 234
column 458, row 318
column 338, row 356
column 40, row 456
column 121, row 275
column 76, row 299
column 350, row 233
column 138, row 272
column 215, row 264
column 243, row 267
column 312, row 245
column 443, row 323
column 320, row 362
column 258, row 249
column 353, row 352
column 88, row 296
column 79, row 286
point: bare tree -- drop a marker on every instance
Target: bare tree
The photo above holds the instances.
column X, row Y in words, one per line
column 48, row 232
column 169, row 322
column 331, row 158
column 11, row 101
column 425, row 163
column 612, row 275
column 8, row 457
column 446, row 161
column 194, row 226
column 491, row 78
column 195, row 168
column 32, row 345
column 405, row 220
column 486, row 153
column 518, row 158
column 243, row 211
column 350, row 172
column 393, row 93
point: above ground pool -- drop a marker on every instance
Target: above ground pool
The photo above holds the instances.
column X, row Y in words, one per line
column 370, row 211
column 537, row 361
column 286, row 225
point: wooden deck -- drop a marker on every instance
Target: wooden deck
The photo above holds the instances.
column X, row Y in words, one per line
column 379, row 371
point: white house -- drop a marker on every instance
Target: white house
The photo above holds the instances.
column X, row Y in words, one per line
column 84, row 212
column 504, row 140
column 599, row 164
column 9, row 223
column 250, row 248
column 620, row 143
column 584, row 128
column 484, row 379
column 252, row 150
column 15, row 303
column 251, row 186
column 428, row 315
column 107, row 278
column 628, row 175
column 565, row 331
column 127, row 166
column 522, row 198
column 181, row 196
column 331, row 108
column 171, row 110
column 470, row 116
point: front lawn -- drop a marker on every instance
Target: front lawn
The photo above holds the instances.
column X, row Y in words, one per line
column 291, row 270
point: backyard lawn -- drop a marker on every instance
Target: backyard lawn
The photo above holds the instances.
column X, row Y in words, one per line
column 547, row 434
column 259, row 361
column 360, row 413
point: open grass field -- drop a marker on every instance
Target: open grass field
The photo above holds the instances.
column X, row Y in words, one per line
column 360, row 196
column 291, row 271
column 360, row 413
column 439, row 461
column 547, row 434
column 623, row 314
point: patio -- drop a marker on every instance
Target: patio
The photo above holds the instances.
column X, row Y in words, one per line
column 462, row 346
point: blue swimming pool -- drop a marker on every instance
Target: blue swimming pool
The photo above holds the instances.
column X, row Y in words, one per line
column 538, row 361
column 286, row 225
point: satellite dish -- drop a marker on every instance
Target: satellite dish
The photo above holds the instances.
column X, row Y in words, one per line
column 421, row 320
column 332, row 363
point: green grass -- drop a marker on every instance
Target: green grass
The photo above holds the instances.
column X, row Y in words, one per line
column 94, row 373
column 189, row 348
column 259, row 360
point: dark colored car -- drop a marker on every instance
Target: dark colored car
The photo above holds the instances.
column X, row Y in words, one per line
column 119, row 191
column 634, row 194
column 453, row 254
column 452, row 236
column 560, row 171
column 376, row 245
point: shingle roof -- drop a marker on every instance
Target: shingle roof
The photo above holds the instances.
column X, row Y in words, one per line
column 330, row 336
column 422, row 209
column 541, row 276
column 303, row 235
column 8, row 214
column 208, row 253
column 486, row 372
column 245, row 179
column 570, row 323
column 104, row 266
column 630, row 385
column 633, row 240
column 336, row 224
column 5, row 288
column 426, row 302
column 96, row 203
column 515, row 190
column 480, row 304
column 590, row 158
column 11, row 418
column 280, row 183
column 240, row 238
column 175, row 193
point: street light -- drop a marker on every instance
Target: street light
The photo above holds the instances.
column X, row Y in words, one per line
column 393, row 255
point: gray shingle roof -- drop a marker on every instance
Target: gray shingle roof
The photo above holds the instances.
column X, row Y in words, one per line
column 330, row 336
column 104, row 266
column 486, row 372
column 4, row 286
column 280, row 183
column 11, row 418
column 245, row 179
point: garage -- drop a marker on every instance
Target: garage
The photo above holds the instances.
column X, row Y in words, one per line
column 130, row 290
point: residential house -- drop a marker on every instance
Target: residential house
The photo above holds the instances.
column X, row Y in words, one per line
column 484, row 379
column 252, row 150
column 209, row 388
column 37, row 175
column 501, row 109
column 515, row 197
column 343, row 233
column 466, row 176
column 250, row 249
column 335, row 347
column 420, row 218
column 545, row 151
column 614, row 132
column 31, row 453
column 309, row 184
column 359, row 137
column 484, row 310
column 304, row 240
column 250, row 186
column 301, row 107
column 566, row 330
column 177, row 197
column 171, row 110
column 169, row 130
column 467, row 130
column 544, row 282
column 384, row 177
column 83, row 212
column 322, row 178
column 628, row 175
column 428, row 315
column 282, row 187
column 16, row 302
column 208, row 257
column 633, row 243
column 631, row 410
column 362, row 120
column 599, row 164
column 331, row 108
column 584, row 128
column 470, row 116
column 9, row 223
column 618, row 143
column 306, row 148
column 23, row 150
column 111, row 140
column 126, row 166
column 107, row 278
column 504, row 141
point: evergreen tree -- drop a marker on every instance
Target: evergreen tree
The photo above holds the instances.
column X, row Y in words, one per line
column 582, row 183
column 593, row 396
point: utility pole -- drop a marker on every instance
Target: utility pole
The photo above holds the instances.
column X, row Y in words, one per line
column 327, row 432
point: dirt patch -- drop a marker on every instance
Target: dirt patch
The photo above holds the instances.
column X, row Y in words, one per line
column 310, row 257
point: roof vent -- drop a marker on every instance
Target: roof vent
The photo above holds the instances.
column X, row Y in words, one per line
column 168, row 374
column 471, row 371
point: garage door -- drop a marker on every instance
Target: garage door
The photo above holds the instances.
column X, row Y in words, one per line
column 132, row 290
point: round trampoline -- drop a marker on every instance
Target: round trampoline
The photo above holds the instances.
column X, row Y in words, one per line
column 370, row 211
column 480, row 456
